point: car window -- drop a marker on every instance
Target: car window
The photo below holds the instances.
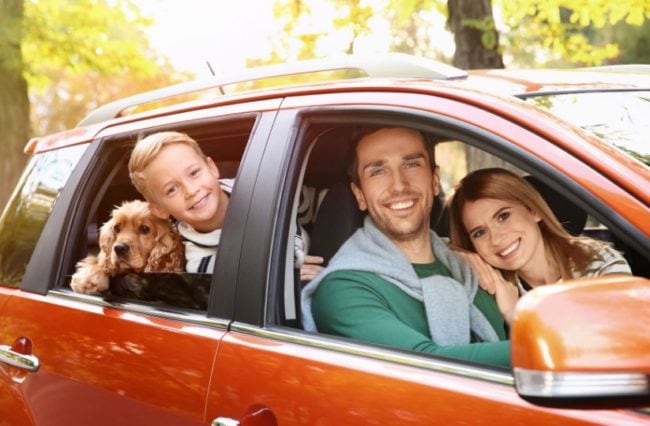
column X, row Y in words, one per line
column 456, row 159
column 619, row 118
column 336, row 214
column 31, row 204
column 110, row 186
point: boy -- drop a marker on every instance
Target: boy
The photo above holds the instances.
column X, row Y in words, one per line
column 179, row 180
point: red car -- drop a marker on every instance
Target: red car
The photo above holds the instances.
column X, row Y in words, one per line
column 228, row 348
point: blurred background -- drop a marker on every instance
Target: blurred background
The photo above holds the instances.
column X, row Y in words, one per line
column 61, row 59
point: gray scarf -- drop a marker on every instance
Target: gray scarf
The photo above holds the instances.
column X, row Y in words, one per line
column 448, row 302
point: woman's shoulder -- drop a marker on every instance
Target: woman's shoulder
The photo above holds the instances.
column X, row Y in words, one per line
column 605, row 259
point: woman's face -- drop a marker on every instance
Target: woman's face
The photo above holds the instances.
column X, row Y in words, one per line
column 505, row 233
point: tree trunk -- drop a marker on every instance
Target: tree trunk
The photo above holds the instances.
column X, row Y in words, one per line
column 476, row 37
column 14, row 103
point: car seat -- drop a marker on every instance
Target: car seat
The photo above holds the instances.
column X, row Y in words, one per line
column 339, row 216
column 570, row 216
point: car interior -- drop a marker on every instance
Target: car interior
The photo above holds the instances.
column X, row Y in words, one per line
column 337, row 215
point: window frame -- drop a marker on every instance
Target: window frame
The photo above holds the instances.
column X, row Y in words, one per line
column 295, row 125
column 46, row 274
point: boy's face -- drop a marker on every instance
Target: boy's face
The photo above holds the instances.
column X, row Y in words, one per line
column 183, row 184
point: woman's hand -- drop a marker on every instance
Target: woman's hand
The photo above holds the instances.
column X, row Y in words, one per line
column 492, row 281
column 311, row 267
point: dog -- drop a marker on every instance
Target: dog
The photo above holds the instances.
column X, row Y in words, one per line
column 132, row 240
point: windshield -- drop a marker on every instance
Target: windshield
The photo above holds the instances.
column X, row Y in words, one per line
column 619, row 118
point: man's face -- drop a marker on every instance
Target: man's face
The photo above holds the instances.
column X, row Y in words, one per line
column 396, row 183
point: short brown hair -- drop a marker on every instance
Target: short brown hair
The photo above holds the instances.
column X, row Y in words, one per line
column 148, row 148
column 353, row 159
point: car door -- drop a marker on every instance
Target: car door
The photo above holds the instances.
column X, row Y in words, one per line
column 268, row 371
column 106, row 360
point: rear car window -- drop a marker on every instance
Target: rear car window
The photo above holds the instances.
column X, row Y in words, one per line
column 29, row 207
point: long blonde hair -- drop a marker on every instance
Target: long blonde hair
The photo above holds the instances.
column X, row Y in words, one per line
column 566, row 251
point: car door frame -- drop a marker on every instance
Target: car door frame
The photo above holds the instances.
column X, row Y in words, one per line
column 255, row 330
column 45, row 272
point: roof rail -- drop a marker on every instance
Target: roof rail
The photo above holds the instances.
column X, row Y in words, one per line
column 391, row 65
column 622, row 67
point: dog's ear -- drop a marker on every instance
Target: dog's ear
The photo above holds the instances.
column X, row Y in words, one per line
column 168, row 254
column 106, row 240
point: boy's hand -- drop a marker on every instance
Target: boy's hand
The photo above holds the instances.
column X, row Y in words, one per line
column 311, row 268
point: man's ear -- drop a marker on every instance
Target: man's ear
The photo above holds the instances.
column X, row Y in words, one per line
column 212, row 167
column 358, row 194
column 158, row 211
column 435, row 181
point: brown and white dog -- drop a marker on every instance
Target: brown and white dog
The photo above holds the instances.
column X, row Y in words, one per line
column 132, row 240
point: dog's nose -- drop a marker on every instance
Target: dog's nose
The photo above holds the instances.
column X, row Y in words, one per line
column 121, row 249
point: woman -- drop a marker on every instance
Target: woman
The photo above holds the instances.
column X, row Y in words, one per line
column 499, row 221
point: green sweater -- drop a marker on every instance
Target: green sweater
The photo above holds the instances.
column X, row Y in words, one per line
column 364, row 306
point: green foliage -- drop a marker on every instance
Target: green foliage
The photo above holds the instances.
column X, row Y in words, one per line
column 304, row 26
column 561, row 30
column 488, row 30
column 103, row 36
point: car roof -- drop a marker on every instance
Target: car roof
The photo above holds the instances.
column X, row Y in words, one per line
column 537, row 82
column 390, row 72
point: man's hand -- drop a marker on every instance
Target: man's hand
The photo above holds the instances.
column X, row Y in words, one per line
column 311, row 267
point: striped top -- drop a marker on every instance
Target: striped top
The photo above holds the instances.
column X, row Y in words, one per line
column 607, row 261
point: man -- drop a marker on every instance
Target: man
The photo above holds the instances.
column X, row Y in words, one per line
column 394, row 282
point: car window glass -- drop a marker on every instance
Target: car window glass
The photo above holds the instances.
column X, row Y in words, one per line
column 26, row 213
column 456, row 159
column 619, row 118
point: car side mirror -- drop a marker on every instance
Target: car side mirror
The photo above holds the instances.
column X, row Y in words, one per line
column 584, row 343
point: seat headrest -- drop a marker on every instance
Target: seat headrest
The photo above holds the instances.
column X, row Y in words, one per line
column 339, row 216
column 336, row 220
column 570, row 216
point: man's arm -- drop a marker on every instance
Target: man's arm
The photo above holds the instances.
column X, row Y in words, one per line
column 363, row 306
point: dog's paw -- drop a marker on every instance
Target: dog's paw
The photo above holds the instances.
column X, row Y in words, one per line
column 89, row 283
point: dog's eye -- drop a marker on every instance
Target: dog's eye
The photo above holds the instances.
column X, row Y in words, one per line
column 144, row 229
column 117, row 228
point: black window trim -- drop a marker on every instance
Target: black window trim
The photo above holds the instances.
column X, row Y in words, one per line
column 45, row 273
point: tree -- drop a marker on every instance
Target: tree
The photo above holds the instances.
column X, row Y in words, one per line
column 44, row 40
column 542, row 32
column 14, row 104
column 477, row 40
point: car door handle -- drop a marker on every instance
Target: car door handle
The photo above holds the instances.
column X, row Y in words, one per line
column 255, row 415
column 225, row 421
column 19, row 355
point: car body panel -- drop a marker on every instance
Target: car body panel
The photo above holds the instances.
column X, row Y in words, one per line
column 306, row 385
column 90, row 355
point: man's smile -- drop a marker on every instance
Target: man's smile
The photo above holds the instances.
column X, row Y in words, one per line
column 401, row 205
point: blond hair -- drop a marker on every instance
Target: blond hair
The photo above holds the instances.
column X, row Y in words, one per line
column 566, row 251
column 148, row 148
